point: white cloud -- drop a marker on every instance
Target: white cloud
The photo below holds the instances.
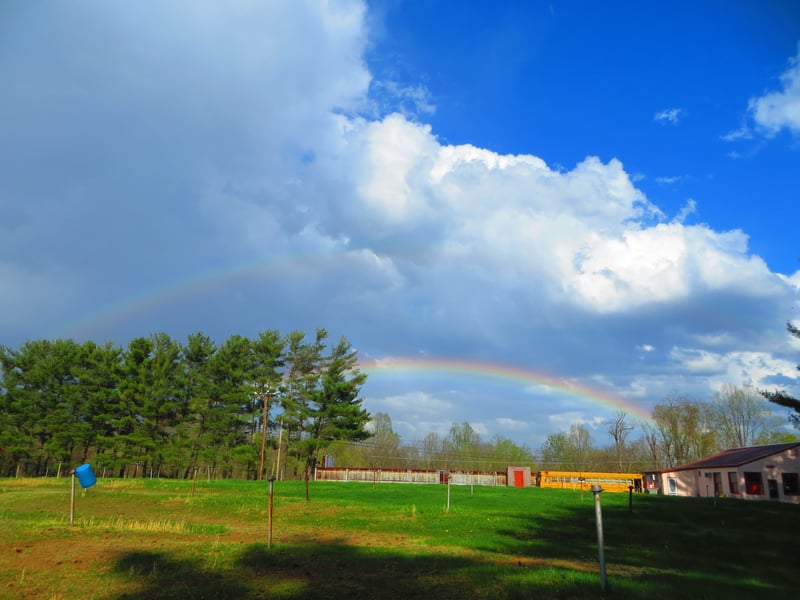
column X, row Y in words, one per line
column 412, row 101
column 561, row 421
column 480, row 428
column 511, row 424
column 415, row 414
column 661, row 263
column 743, row 133
column 777, row 110
column 686, row 210
column 736, row 368
column 669, row 115
column 421, row 405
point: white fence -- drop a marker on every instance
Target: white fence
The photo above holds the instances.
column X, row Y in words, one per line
column 488, row 478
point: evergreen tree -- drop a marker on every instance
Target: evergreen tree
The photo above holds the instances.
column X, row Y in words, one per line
column 99, row 374
column 162, row 408
column 195, row 394
column 229, row 410
column 162, row 402
column 131, row 444
column 780, row 397
column 322, row 404
column 268, row 359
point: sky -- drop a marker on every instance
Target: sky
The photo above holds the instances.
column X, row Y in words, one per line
column 524, row 215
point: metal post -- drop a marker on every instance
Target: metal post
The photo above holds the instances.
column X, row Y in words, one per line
column 596, row 489
column 269, row 512
column 630, row 498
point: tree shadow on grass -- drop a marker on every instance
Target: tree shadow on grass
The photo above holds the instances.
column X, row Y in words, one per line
column 333, row 570
column 672, row 547
column 160, row 575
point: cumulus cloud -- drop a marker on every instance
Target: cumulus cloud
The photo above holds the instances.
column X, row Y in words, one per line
column 232, row 154
column 734, row 368
column 778, row 110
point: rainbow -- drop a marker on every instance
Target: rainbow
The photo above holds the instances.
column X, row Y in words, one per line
column 493, row 372
column 174, row 291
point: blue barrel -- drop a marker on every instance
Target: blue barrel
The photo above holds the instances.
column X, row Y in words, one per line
column 86, row 475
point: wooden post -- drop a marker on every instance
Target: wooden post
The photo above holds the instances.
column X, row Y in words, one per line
column 72, row 501
column 269, row 512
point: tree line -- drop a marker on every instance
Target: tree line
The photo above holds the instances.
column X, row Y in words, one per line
column 159, row 407
column 680, row 430
column 273, row 404
column 461, row 449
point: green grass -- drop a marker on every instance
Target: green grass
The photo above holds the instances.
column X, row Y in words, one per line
column 143, row 539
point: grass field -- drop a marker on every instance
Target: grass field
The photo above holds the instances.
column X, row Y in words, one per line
column 155, row 539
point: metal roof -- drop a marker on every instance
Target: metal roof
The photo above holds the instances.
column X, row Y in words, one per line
column 737, row 456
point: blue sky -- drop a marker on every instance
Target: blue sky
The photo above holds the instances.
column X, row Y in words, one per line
column 603, row 195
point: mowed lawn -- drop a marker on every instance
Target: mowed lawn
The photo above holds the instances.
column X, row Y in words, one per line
column 151, row 539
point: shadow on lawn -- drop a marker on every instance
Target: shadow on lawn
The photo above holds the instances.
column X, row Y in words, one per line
column 332, row 570
column 664, row 548
column 673, row 547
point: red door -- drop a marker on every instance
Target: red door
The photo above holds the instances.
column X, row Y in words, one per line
column 519, row 479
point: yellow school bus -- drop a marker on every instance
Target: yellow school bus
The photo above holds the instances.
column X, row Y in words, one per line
column 581, row 480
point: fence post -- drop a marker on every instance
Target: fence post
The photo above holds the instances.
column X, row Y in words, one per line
column 269, row 512
column 72, row 501
column 448, row 493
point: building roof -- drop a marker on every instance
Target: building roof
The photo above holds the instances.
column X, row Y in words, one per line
column 737, row 456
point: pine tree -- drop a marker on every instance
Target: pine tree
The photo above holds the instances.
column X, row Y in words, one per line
column 782, row 398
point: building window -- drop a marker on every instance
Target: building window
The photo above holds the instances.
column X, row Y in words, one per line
column 733, row 482
column 791, row 484
column 753, row 483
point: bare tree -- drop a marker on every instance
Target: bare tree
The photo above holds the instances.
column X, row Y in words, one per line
column 385, row 442
column 581, row 441
column 741, row 418
column 430, row 449
column 684, row 429
column 619, row 429
column 652, row 443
